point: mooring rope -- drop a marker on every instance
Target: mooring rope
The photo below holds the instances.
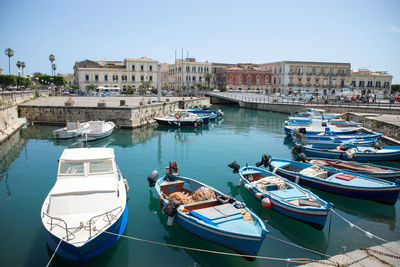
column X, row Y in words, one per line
column 295, row 260
column 292, row 244
column 370, row 235
column 59, row 243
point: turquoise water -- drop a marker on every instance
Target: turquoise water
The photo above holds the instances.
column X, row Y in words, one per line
column 28, row 172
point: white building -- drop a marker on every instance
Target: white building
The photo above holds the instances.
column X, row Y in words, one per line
column 370, row 82
column 299, row 77
column 186, row 73
column 115, row 74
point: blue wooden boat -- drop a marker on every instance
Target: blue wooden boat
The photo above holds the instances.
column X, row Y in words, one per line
column 318, row 139
column 352, row 152
column 212, row 113
column 337, row 181
column 218, row 218
column 181, row 119
column 285, row 196
column 307, row 121
column 318, row 128
column 368, row 169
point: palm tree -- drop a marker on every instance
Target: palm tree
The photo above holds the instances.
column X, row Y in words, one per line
column 23, row 66
column 54, row 67
column 52, row 58
column 208, row 78
column 9, row 52
column 18, row 64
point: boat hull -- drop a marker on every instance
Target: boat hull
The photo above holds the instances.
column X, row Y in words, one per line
column 96, row 246
column 242, row 244
column 370, row 156
column 179, row 123
column 382, row 195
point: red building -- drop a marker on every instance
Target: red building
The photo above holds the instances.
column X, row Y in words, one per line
column 243, row 77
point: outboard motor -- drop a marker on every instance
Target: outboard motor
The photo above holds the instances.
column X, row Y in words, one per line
column 235, row 166
column 264, row 161
column 152, row 178
column 298, row 147
column 301, row 157
column 377, row 145
column 303, row 130
column 172, row 170
column 170, row 209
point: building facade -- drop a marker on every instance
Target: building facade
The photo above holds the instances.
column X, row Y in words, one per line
column 299, row 77
column 164, row 75
column 187, row 73
column 369, row 82
column 115, row 74
column 243, row 77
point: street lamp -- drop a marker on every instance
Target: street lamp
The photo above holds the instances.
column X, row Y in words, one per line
column 19, row 79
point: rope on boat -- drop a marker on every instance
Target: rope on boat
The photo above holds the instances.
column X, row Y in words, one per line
column 292, row 244
column 295, row 260
column 370, row 235
column 55, row 251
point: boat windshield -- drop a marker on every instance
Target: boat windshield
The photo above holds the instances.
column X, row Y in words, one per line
column 72, row 167
column 100, row 166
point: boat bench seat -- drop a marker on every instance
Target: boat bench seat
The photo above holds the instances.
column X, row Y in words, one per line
column 201, row 204
column 172, row 187
column 289, row 194
column 211, row 214
column 250, row 172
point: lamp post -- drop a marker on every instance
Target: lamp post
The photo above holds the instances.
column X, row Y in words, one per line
column 19, row 79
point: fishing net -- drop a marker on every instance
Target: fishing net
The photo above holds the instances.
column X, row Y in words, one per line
column 246, row 215
column 203, row 193
column 181, row 198
column 279, row 182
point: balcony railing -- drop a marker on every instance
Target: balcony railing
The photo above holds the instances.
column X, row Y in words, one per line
column 290, row 84
column 308, row 73
column 317, row 85
column 299, row 84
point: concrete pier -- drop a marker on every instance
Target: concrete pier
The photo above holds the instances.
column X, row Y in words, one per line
column 378, row 256
column 125, row 112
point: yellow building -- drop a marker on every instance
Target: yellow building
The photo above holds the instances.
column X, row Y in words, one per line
column 371, row 82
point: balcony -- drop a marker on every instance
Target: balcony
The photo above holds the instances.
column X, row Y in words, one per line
column 291, row 73
column 290, row 84
column 326, row 74
column 299, row 84
column 299, row 73
column 308, row 84
column 317, row 73
column 317, row 85
column 308, row 73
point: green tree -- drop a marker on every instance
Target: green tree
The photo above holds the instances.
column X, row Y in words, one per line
column 52, row 58
column 208, row 78
column 18, row 64
column 8, row 80
column 54, row 67
column 9, row 52
column 129, row 90
column 395, row 88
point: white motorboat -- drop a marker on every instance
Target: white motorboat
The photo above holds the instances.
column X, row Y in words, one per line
column 86, row 210
column 97, row 130
column 71, row 130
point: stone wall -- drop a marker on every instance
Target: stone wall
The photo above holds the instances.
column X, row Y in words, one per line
column 15, row 98
column 124, row 117
column 8, row 116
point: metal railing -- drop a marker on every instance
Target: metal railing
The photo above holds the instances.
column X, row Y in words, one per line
column 108, row 214
column 57, row 219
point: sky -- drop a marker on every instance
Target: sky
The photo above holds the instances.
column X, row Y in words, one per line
column 364, row 33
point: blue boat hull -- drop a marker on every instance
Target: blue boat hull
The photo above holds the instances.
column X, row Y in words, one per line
column 315, row 220
column 386, row 196
column 372, row 156
column 96, row 246
column 242, row 244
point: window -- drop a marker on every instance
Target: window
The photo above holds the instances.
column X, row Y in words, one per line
column 353, row 83
column 266, row 79
column 133, row 67
column 240, row 79
column 230, row 79
column 325, row 82
column 386, row 85
column 124, row 78
column 72, row 167
column 194, row 78
column 378, row 85
column 248, row 79
column 343, row 72
column 193, row 69
column 142, row 78
column 106, row 77
column 151, row 78
column 187, row 69
column 309, row 71
column 274, row 80
column 317, row 71
column 369, row 84
column 200, row 79
column 300, row 71
column 87, row 77
column 291, row 70
column 150, row 68
column 96, row 77
column 361, row 84
column 342, row 83
column 100, row 166
column 141, row 68
column 133, row 78
column 115, row 78
column 334, row 72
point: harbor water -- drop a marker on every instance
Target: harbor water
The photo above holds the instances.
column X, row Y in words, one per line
column 28, row 170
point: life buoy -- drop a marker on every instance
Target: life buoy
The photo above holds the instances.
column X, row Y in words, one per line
column 266, row 202
column 178, row 116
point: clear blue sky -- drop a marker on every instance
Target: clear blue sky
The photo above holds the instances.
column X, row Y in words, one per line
column 363, row 33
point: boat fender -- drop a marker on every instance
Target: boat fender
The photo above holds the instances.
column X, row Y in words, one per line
column 350, row 153
column 170, row 220
column 377, row 145
column 126, row 185
column 152, row 178
column 247, row 186
column 297, row 179
column 275, row 169
column 250, row 178
column 235, row 166
column 239, row 183
column 259, row 195
column 266, row 203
